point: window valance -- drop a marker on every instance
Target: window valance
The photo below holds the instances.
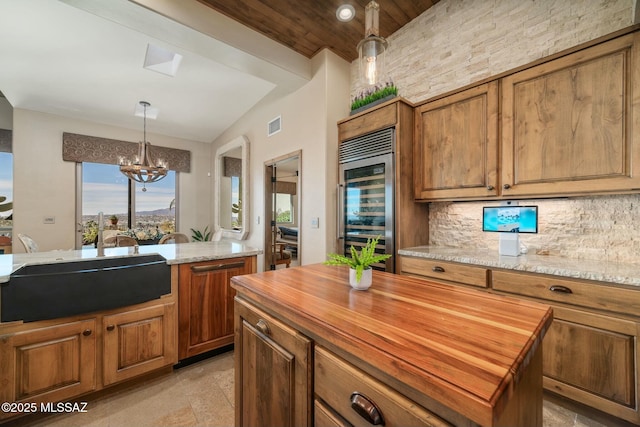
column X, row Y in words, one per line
column 232, row 166
column 5, row 141
column 284, row 187
column 84, row 148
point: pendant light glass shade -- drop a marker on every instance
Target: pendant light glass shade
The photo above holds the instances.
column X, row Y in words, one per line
column 371, row 50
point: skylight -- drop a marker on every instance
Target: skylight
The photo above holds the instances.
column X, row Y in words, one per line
column 162, row 60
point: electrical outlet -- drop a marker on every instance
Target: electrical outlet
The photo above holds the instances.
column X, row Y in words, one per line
column 49, row 220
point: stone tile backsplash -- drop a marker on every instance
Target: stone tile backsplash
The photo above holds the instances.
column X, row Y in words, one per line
column 601, row 228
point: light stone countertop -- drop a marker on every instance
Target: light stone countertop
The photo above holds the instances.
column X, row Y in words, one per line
column 174, row 253
column 599, row 270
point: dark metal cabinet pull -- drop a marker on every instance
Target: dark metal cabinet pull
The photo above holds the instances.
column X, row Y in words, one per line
column 263, row 327
column 560, row 289
column 366, row 408
column 438, row 269
column 490, row 187
column 203, row 268
column 110, row 328
column 87, row 332
column 506, row 186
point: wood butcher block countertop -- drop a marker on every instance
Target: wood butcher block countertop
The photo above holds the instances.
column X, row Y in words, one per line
column 463, row 348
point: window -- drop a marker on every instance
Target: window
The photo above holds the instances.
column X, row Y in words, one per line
column 124, row 205
column 284, row 208
column 6, row 189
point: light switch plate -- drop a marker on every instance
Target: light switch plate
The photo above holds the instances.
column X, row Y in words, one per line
column 49, row 220
column 315, row 222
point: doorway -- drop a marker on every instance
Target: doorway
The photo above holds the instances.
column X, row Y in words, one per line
column 282, row 211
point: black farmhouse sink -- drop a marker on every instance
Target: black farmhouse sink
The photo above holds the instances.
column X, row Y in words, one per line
column 50, row 291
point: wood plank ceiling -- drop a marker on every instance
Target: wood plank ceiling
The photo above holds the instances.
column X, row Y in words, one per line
column 307, row 26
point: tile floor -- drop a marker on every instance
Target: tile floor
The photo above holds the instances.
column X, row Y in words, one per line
column 201, row 394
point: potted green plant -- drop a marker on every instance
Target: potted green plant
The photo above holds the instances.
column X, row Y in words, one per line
column 373, row 96
column 360, row 272
column 200, row 236
column 113, row 219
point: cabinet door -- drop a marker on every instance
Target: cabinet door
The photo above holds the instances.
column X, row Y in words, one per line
column 592, row 359
column 456, row 151
column 138, row 341
column 48, row 364
column 568, row 124
column 205, row 315
column 273, row 371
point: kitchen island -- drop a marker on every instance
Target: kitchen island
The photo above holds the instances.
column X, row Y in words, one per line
column 127, row 332
column 310, row 350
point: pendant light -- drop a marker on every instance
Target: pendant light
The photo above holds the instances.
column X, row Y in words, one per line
column 141, row 168
column 371, row 49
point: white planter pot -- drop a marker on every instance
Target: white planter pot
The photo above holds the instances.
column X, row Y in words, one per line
column 365, row 280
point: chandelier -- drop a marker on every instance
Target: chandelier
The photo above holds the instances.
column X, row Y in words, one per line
column 141, row 168
column 371, row 49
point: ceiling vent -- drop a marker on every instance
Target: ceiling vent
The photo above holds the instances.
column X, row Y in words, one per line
column 274, row 126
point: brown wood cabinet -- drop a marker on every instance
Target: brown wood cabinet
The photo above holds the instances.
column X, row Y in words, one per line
column 456, row 145
column 138, row 341
column 397, row 114
column 444, row 271
column 48, row 364
column 273, row 371
column 568, row 124
column 358, row 397
column 205, row 314
column 563, row 126
column 591, row 352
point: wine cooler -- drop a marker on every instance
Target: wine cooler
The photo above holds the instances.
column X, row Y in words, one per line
column 365, row 194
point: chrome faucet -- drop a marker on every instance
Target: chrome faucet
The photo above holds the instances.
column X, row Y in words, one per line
column 100, row 242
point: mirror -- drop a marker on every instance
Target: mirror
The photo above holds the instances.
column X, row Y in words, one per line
column 6, row 175
column 231, row 205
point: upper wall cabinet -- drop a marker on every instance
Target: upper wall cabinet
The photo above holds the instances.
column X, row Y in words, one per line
column 456, row 145
column 561, row 127
column 568, row 124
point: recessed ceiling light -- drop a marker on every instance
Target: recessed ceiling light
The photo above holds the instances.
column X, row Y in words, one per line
column 345, row 13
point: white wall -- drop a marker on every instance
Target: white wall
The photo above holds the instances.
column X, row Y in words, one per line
column 309, row 118
column 45, row 185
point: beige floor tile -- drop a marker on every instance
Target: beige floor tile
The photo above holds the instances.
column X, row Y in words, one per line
column 202, row 395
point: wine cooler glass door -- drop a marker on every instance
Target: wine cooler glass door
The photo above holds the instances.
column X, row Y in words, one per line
column 367, row 205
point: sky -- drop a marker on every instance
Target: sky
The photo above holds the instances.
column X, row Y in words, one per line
column 104, row 188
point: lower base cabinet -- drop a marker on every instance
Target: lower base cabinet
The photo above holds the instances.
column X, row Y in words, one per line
column 592, row 359
column 56, row 361
column 48, row 364
column 138, row 341
column 273, row 371
column 205, row 315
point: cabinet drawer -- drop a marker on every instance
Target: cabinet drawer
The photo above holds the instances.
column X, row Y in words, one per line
column 444, row 271
column 575, row 292
column 395, row 409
